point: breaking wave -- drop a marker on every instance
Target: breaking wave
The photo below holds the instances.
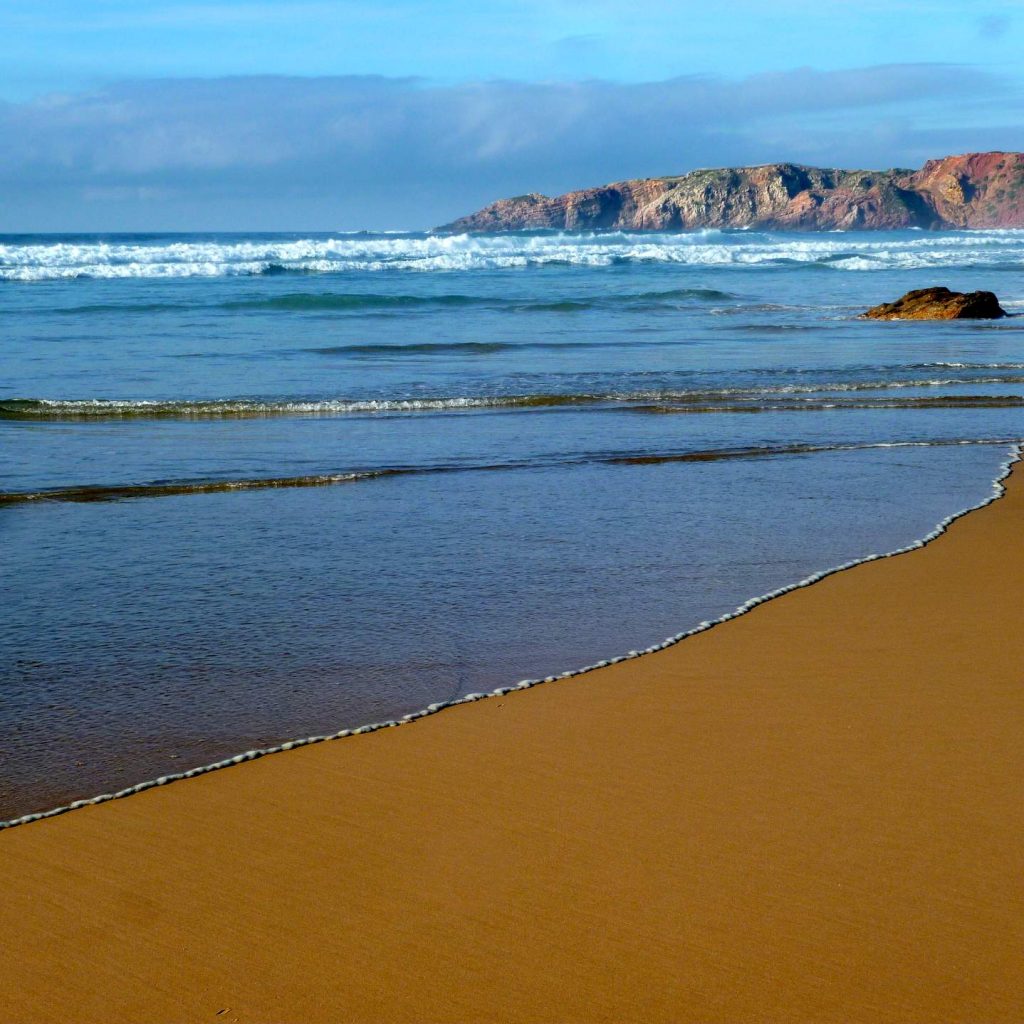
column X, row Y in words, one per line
column 177, row 256
column 673, row 399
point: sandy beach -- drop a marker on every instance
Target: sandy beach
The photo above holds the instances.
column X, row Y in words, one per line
column 811, row 813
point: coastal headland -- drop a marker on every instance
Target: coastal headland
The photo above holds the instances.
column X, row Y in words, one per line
column 809, row 813
column 973, row 190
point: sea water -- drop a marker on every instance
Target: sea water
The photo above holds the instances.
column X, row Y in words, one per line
column 255, row 487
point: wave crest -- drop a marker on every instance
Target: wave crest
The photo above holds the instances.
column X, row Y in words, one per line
column 678, row 399
column 205, row 257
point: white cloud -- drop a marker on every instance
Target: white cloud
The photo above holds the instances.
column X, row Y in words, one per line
column 404, row 152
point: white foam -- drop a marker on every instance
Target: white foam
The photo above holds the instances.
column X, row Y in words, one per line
column 211, row 258
column 102, row 407
column 998, row 491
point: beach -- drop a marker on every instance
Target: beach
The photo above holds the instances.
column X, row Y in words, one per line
column 468, row 558
column 809, row 813
column 258, row 486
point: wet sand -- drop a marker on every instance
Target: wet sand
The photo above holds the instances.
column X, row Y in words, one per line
column 814, row 812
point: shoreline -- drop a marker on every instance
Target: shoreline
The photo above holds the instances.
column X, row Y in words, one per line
column 998, row 490
column 813, row 815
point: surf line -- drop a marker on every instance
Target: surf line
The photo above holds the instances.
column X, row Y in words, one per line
column 998, row 490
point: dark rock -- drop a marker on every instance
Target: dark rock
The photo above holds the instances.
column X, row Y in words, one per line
column 939, row 304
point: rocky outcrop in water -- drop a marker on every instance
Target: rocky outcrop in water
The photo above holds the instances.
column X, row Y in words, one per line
column 939, row 304
column 977, row 190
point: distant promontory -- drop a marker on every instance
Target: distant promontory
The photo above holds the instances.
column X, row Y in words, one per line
column 975, row 190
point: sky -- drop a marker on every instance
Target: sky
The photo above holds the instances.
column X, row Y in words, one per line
column 121, row 115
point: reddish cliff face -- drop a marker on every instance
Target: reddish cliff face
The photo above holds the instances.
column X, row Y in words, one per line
column 973, row 191
column 608, row 207
column 978, row 190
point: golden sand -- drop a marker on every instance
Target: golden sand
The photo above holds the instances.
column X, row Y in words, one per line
column 812, row 813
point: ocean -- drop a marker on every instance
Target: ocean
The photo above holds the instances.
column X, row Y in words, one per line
column 258, row 487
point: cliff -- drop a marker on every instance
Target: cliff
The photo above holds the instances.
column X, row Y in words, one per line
column 976, row 190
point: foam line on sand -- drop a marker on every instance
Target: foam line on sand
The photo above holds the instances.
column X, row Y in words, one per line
column 998, row 490
column 811, row 815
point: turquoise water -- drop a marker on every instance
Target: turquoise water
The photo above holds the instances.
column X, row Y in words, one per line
column 257, row 487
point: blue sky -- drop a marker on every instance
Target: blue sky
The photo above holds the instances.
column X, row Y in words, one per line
column 253, row 114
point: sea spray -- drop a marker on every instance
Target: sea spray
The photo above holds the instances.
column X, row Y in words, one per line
column 337, row 254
